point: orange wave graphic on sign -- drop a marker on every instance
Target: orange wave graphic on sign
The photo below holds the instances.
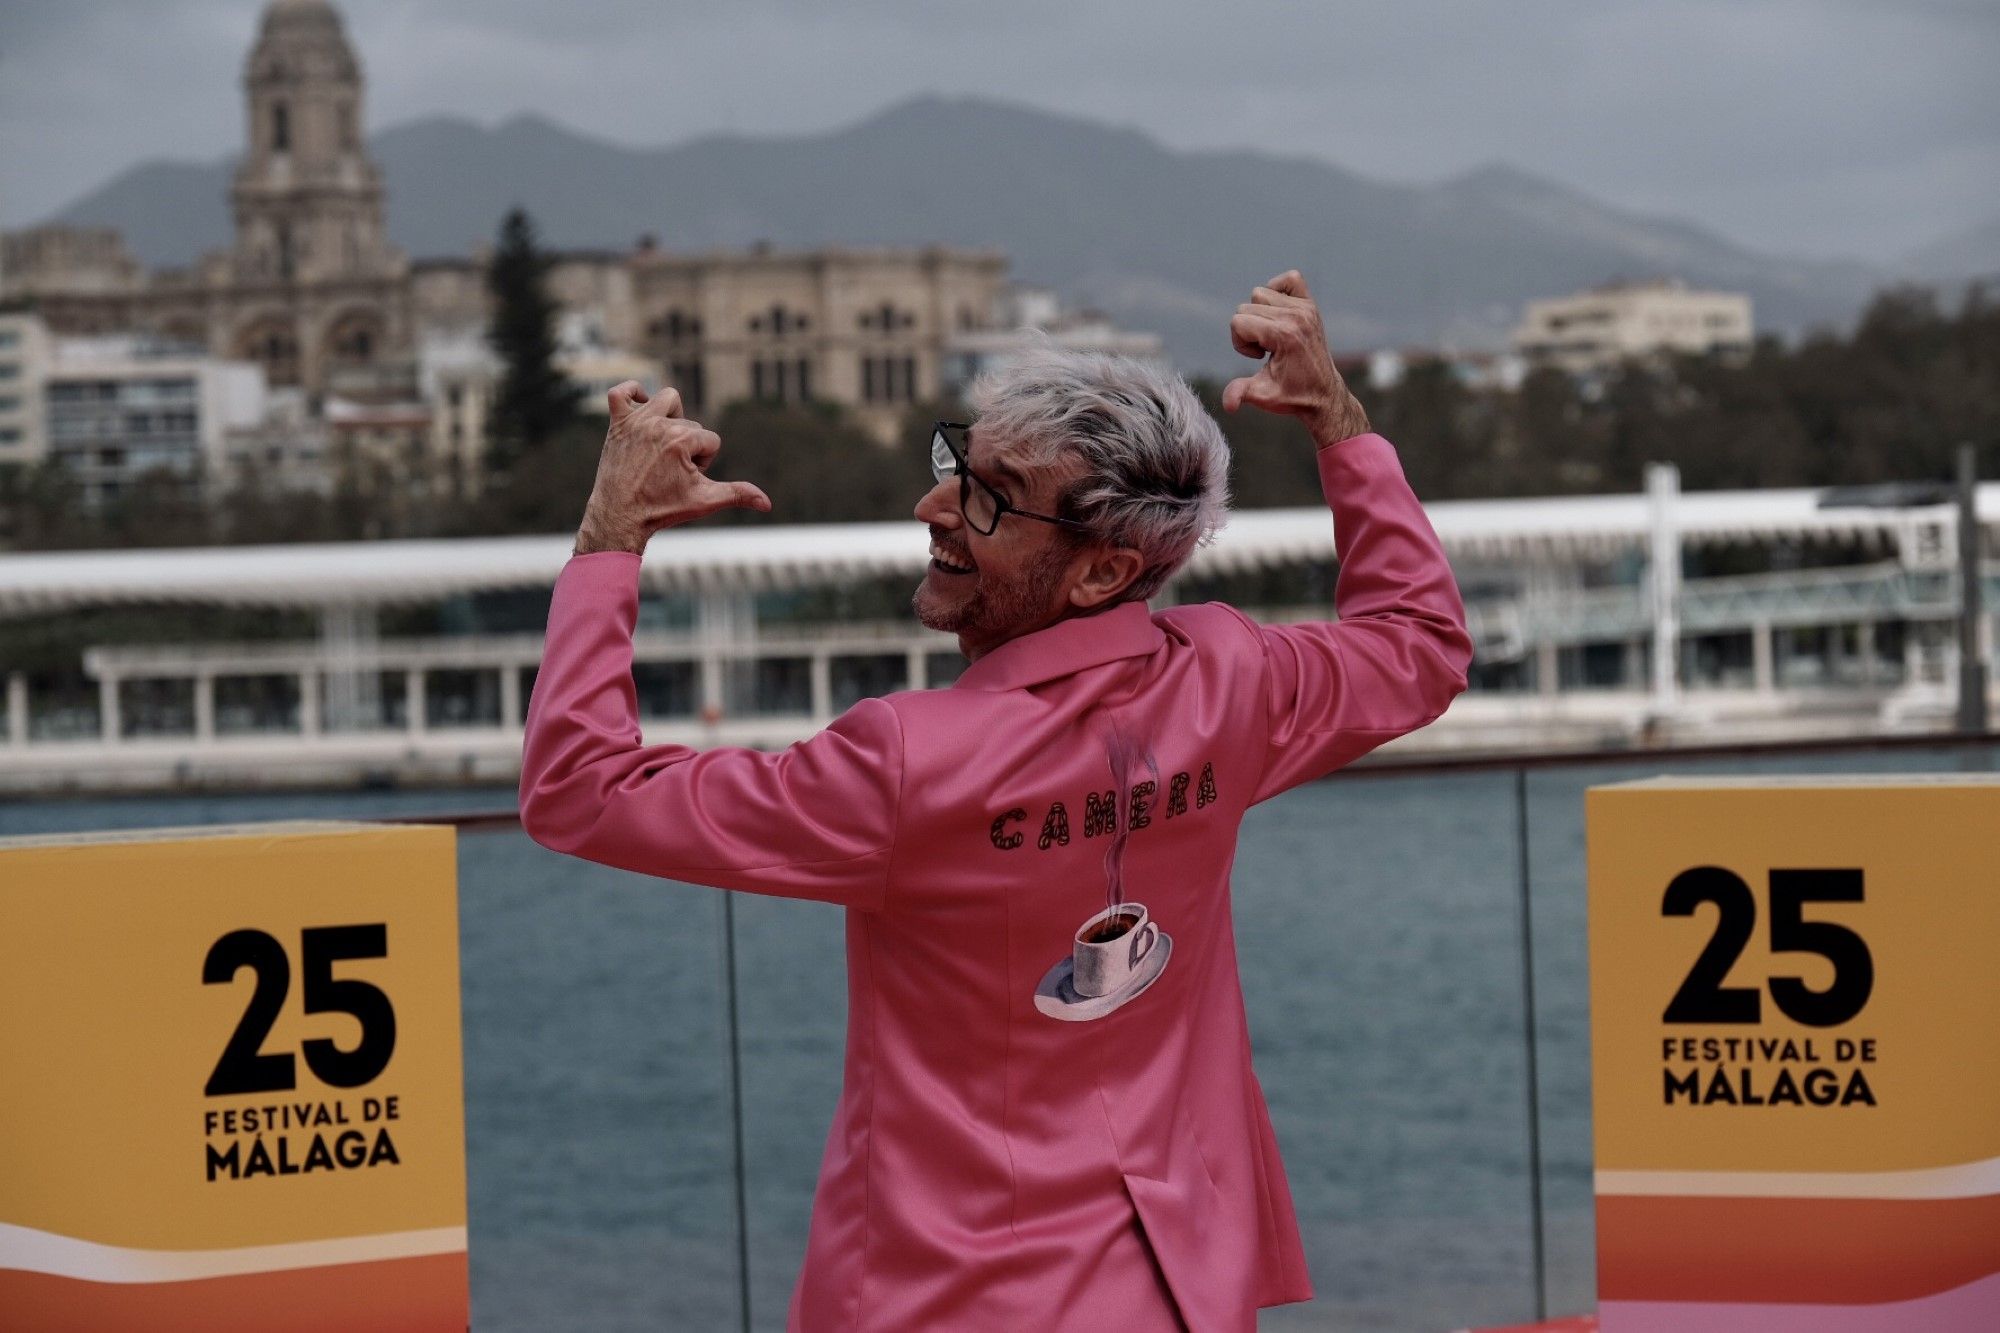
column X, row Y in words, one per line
column 1804, row 1249
column 425, row 1294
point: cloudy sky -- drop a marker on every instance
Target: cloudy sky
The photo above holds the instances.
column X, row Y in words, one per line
column 1807, row 127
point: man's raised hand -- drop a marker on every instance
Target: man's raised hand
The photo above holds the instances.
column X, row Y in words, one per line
column 1281, row 322
column 653, row 474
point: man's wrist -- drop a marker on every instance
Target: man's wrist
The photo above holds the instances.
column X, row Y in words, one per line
column 1339, row 421
column 599, row 534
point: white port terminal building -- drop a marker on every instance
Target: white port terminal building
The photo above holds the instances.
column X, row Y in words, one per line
column 1850, row 628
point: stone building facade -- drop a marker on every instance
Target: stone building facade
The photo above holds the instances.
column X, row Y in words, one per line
column 865, row 328
column 312, row 290
column 311, row 284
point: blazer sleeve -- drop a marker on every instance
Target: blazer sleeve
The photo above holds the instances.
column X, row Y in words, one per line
column 816, row 820
column 1396, row 657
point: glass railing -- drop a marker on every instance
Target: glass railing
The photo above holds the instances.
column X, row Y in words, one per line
column 651, row 1068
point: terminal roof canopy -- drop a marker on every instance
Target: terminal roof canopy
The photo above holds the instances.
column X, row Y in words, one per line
column 757, row 557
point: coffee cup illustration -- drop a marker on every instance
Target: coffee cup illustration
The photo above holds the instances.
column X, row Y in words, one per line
column 1114, row 956
column 1109, row 948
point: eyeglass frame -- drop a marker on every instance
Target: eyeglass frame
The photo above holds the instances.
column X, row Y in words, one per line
column 1002, row 506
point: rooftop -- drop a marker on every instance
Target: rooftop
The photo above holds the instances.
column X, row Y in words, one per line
column 766, row 556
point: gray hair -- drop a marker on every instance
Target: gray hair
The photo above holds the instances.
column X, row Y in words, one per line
column 1153, row 466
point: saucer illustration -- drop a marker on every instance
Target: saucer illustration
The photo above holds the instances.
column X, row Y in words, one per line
column 1056, row 995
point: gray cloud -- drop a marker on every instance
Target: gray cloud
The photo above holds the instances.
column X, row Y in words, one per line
column 1844, row 126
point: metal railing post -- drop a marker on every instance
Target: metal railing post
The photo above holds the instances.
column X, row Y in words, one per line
column 735, row 1106
column 1971, row 646
column 1534, row 1081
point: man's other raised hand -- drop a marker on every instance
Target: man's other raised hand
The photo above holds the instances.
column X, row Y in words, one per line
column 653, row 473
column 1281, row 322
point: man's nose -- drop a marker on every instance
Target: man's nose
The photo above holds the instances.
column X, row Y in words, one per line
column 939, row 504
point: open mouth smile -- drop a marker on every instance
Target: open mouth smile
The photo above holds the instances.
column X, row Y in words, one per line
column 940, row 562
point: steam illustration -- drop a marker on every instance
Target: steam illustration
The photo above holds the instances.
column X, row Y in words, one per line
column 1124, row 753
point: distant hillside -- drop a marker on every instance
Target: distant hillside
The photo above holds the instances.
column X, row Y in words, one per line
column 169, row 211
column 1972, row 253
column 1161, row 239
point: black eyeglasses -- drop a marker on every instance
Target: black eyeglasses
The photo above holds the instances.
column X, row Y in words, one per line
column 981, row 504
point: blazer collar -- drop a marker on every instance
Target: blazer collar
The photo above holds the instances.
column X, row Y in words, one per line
column 1126, row 630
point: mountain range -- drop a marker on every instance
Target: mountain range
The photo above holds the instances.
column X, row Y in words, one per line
column 1159, row 238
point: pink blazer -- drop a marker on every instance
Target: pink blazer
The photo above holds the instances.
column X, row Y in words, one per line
column 1009, row 1153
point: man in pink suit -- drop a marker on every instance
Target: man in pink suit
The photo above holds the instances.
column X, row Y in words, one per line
column 1048, row 1118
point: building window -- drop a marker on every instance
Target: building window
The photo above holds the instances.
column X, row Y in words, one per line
column 688, row 378
column 675, row 326
column 885, row 318
column 275, row 347
column 779, row 321
column 281, row 128
column 775, row 381
column 888, row 379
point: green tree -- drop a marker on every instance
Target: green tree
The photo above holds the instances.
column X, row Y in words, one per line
column 255, row 512
column 1271, row 459
column 547, row 487
column 41, row 509
column 535, row 400
column 818, row 466
column 156, row 508
column 1551, row 442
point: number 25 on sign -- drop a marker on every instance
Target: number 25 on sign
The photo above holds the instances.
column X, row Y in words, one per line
column 1703, row 998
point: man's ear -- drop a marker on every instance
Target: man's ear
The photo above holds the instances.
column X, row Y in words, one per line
column 1111, row 570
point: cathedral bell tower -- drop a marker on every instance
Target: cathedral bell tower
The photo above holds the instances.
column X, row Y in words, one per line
column 308, row 203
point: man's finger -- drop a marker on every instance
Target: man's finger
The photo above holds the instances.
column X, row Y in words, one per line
column 1292, row 310
column 1291, row 282
column 714, row 495
column 666, row 403
column 1272, row 299
column 1255, row 335
column 623, row 398
column 704, row 449
column 1236, row 391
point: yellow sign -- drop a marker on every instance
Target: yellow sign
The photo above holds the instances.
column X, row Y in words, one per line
column 230, row 1090
column 1795, row 995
